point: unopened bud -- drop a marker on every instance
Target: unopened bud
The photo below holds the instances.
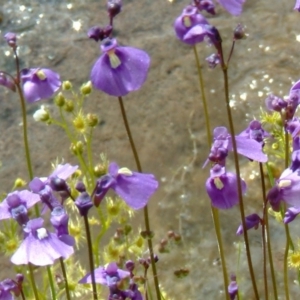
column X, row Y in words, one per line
column 11, row 39
column 86, row 88
column 41, row 115
column 59, row 100
column 67, row 85
column 92, row 120
column 69, row 106
column 239, row 32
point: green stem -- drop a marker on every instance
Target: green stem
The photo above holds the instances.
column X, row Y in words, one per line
column 62, row 265
column 204, row 102
column 238, row 175
column 51, row 283
column 91, row 257
column 35, row 292
column 146, row 214
column 264, row 231
column 214, row 211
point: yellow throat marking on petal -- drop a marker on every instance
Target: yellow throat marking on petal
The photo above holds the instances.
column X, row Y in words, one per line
column 218, row 183
column 187, row 21
column 125, row 171
column 284, row 183
column 113, row 59
column 41, row 75
column 42, row 233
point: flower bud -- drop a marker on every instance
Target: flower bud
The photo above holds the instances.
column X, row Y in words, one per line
column 7, row 82
column 59, row 100
column 239, row 32
column 86, row 88
column 11, row 39
column 41, row 115
column 114, row 7
column 69, row 106
column 92, row 120
column 100, row 170
column 67, row 85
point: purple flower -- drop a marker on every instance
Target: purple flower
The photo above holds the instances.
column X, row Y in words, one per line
column 206, row 5
column 213, row 60
column 233, row 287
column 287, row 189
column 274, row 103
column 234, row 7
column 297, row 5
column 59, row 220
column 119, row 70
column 6, row 287
column 40, row 247
column 109, row 275
column 133, row 187
column 7, row 82
column 221, row 187
column 39, row 83
column 247, row 147
column 255, row 132
column 189, row 26
column 252, row 221
column 15, row 205
column 290, row 214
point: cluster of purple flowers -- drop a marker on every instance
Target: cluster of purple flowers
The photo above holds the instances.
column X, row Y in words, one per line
column 112, row 277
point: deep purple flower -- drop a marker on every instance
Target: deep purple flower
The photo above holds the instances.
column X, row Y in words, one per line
column 233, row 287
column 7, row 82
column 108, row 275
column 287, row 189
column 40, row 247
column 84, row 203
column 39, row 83
column 290, row 214
column 206, row 5
column 234, row 7
column 119, row 70
column 15, row 205
column 190, row 19
column 7, row 286
column 133, row 187
column 274, row 103
column 252, row 221
column 255, row 132
column 221, row 187
column 297, row 5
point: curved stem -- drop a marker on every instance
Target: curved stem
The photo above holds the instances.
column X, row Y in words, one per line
column 214, row 211
column 62, row 265
column 146, row 214
column 237, row 169
column 91, row 257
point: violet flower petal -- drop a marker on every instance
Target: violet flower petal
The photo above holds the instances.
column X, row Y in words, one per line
column 234, row 7
column 128, row 76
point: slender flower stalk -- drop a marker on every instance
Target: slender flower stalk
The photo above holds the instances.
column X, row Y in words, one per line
column 214, row 211
column 51, row 283
column 146, row 214
column 91, row 255
column 35, row 292
column 266, row 224
column 237, row 168
column 62, row 265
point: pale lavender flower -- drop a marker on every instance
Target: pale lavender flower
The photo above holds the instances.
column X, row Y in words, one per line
column 290, row 214
column 221, row 187
column 133, row 187
column 234, row 7
column 287, row 189
column 297, row 5
column 15, row 205
column 39, row 83
column 108, row 275
column 119, row 70
column 252, row 221
column 7, row 286
column 40, row 247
